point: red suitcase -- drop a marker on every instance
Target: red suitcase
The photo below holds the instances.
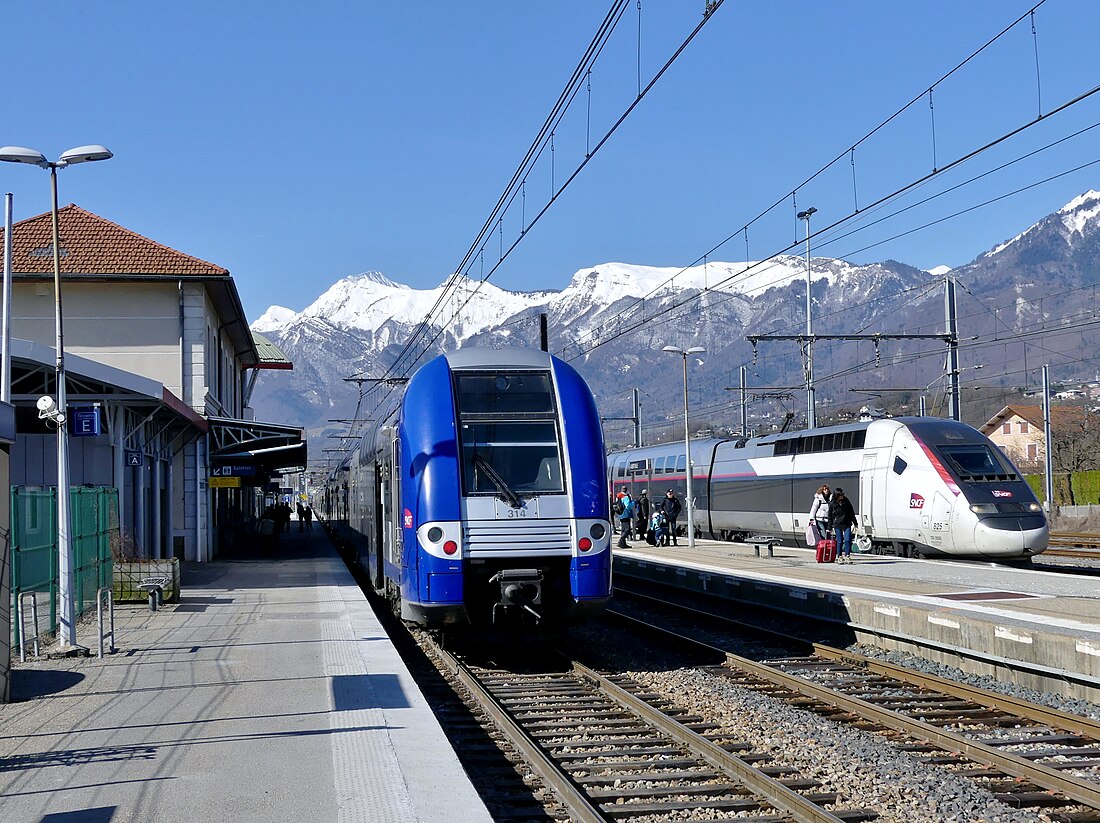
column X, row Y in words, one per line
column 826, row 551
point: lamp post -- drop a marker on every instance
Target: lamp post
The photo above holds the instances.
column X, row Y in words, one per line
column 688, row 503
column 65, row 588
column 811, row 405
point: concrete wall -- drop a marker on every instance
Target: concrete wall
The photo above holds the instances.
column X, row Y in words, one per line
column 131, row 326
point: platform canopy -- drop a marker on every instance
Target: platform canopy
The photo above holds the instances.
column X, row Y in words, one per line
column 266, row 447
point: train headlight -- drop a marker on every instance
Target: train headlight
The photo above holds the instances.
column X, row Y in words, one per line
column 597, row 531
column 1034, row 507
column 435, row 534
column 983, row 508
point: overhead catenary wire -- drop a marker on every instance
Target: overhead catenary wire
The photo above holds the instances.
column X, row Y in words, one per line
column 404, row 361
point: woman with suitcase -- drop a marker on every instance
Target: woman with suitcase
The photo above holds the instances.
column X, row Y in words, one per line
column 842, row 517
column 819, row 512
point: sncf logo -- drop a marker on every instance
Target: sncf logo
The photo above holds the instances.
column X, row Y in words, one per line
column 1001, row 493
column 916, row 501
column 408, row 519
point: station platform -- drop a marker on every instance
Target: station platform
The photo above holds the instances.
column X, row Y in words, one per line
column 268, row 692
column 1039, row 627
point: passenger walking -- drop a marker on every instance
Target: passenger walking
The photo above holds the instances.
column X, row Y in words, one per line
column 819, row 513
column 625, row 507
column 301, row 516
column 267, row 529
column 644, row 509
column 671, row 509
column 842, row 517
column 307, row 511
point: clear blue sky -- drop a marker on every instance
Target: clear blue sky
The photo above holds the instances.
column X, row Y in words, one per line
column 297, row 143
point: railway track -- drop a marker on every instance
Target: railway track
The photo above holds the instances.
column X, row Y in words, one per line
column 1074, row 544
column 609, row 751
column 1028, row 756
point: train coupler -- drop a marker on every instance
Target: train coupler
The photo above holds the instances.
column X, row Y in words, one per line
column 518, row 587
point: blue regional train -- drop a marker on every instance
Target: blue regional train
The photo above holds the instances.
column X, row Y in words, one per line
column 919, row 485
column 481, row 499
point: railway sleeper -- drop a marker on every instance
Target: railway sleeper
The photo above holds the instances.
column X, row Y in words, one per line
column 689, row 789
column 594, row 770
column 633, row 751
column 638, row 809
column 651, row 776
column 1031, row 800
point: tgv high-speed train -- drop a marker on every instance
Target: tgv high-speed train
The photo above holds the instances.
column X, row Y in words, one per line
column 919, row 485
column 481, row 499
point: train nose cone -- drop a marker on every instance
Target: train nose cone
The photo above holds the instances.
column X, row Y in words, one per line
column 1009, row 537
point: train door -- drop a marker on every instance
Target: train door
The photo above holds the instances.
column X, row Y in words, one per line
column 867, row 501
column 383, row 499
column 398, row 534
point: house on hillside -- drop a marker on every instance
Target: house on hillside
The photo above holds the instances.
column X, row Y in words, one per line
column 1018, row 430
column 158, row 343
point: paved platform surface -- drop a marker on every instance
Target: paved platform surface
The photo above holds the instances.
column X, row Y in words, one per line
column 1047, row 616
column 268, row 693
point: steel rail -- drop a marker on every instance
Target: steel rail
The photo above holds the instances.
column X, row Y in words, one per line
column 579, row 807
column 1083, row 792
column 1084, row 726
column 778, row 795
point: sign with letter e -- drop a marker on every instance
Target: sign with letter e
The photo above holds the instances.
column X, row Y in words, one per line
column 84, row 422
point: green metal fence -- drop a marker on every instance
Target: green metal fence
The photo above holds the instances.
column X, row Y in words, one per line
column 94, row 513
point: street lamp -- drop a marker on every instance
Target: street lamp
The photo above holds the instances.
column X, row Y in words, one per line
column 811, row 405
column 687, row 439
column 65, row 587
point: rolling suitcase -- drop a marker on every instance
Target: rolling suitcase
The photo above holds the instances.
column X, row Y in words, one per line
column 826, row 550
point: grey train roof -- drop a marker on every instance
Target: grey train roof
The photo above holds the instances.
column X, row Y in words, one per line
column 478, row 357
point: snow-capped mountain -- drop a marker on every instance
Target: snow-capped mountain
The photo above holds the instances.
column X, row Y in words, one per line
column 359, row 325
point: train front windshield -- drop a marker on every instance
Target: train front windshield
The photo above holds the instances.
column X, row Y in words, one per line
column 508, row 433
column 976, row 462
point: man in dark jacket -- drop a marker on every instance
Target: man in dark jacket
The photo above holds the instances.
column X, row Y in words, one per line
column 842, row 517
column 671, row 508
column 642, row 511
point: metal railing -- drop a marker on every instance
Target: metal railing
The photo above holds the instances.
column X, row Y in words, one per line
column 19, row 616
column 99, row 617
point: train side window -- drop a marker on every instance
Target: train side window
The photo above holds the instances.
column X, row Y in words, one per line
column 781, row 447
column 828, row 441
column 681, row 463
column 899, row 465
column 658, row 465
column 620, row 470
column 859, row 438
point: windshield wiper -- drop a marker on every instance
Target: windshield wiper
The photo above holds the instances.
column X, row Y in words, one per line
column 509, row 496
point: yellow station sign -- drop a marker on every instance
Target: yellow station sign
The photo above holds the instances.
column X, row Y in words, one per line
column 224, row 482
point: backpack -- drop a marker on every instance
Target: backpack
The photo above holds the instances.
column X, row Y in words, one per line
column 618, row 508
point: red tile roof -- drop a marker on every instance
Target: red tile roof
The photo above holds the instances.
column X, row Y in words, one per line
column 93, row 245
column 1059, row 415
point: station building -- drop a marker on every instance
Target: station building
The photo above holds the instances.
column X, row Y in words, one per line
column 160, row 364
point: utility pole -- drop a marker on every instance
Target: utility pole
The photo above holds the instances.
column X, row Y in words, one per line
column 955, row 404
column 636, row 419
column 1048, row 445
column 811, row 404
column 744, row 407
